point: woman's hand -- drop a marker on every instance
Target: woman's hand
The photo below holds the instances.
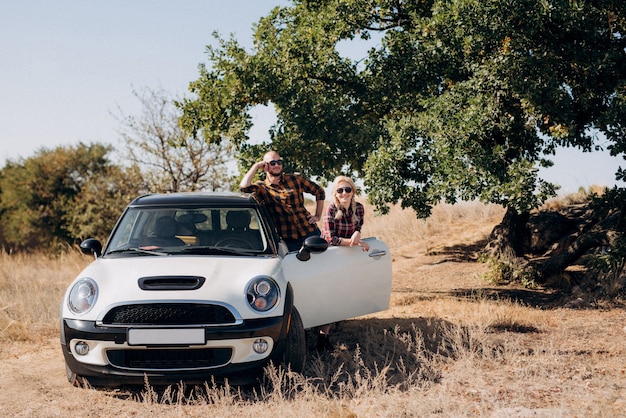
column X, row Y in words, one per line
column 356, row 240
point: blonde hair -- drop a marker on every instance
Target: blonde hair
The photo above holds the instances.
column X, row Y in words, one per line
column 339, row 214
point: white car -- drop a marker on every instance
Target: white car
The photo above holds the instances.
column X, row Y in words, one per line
column 198, row 286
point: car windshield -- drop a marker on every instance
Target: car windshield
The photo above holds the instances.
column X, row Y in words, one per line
column 188, row 230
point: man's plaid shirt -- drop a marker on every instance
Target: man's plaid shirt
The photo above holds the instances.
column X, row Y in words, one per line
column 285, row 202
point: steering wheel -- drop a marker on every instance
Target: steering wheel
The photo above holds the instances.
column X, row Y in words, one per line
column 233, row 242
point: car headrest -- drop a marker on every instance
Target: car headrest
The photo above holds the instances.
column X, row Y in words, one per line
column 238, row 219
column 166, row 227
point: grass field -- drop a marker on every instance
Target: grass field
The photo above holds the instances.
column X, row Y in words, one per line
column 450, row 345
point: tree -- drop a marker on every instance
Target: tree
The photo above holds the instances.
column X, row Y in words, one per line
column 167, row 158
column 461, row 99
column 98, row 206
column 59, row 197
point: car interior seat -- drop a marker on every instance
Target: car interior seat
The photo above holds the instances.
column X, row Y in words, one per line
column 238, row 222
column 165, row 229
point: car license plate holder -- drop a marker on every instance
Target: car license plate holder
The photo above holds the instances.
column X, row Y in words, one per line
column 166, row 336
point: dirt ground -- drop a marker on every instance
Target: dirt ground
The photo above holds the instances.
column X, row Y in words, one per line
column 33, row 381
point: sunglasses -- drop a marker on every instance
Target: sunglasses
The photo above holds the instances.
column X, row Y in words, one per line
column 274, row 162
column 342, row 189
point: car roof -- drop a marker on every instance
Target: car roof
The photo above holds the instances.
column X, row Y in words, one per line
column 196, row 198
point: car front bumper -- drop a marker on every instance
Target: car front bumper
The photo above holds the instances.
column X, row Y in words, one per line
column 225, row 352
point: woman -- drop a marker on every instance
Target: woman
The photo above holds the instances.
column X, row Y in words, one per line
column 343, row 220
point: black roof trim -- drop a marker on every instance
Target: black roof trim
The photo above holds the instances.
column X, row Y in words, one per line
column 195, row 198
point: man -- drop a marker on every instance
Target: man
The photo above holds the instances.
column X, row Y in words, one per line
column 283, row 195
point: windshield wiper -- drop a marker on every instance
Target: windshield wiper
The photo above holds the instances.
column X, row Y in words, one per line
column 137, row 250
column 209, row 249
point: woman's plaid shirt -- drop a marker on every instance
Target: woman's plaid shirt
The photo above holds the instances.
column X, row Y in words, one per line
column 335, row 229
column 285, row 202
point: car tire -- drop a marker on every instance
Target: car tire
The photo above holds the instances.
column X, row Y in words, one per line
column 295, row 350
column 73, row 378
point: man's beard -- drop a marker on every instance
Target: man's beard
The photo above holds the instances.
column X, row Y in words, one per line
column 276, row 174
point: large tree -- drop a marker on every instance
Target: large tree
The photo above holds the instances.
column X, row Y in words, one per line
column 459, row 99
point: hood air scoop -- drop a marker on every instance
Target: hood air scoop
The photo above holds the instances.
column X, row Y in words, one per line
column 171, row 282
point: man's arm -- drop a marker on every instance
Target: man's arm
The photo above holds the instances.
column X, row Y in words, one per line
column 246, row 181
column 316, row 190
column 313, row 188
column 319, row 209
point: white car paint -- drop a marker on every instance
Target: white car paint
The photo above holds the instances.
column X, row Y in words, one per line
column 341, row 283
column 227, row 277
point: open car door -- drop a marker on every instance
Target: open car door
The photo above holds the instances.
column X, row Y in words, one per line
column 340, row 283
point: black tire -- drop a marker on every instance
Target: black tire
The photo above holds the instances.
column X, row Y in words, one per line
column 295, row 350
column 73, row 378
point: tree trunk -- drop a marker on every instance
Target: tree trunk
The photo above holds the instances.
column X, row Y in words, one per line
column 543, row 245
column 601, row 234
column 511, row 237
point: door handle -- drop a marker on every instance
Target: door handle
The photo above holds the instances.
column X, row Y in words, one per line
column 377, row 253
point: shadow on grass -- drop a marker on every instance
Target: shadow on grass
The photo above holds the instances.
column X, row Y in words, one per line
column 540, row 299
column 372, row 354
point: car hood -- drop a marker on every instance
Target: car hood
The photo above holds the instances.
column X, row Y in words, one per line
column 226, row 281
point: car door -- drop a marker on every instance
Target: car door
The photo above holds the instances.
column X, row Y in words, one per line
column 340, row 283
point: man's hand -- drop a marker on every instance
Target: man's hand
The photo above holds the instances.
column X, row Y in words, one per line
column 246, row 181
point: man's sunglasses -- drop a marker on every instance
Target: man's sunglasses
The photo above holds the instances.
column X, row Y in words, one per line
column 274, row 162
column 342, row 189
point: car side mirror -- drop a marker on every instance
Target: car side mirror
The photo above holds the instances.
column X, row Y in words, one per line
column 91, row 246
column 311, row 245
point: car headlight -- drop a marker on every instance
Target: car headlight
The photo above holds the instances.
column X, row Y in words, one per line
column 83, row 296
column 262, row 293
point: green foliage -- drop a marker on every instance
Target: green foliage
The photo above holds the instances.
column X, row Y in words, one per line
column 96, row 209
column 610, row 264
column 61, row 196
column 502, row 271
column 459, row 99
column 610, row 261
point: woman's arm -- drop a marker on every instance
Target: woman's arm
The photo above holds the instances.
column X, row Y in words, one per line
column 329, row 226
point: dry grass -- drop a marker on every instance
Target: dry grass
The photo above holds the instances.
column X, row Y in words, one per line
column 581, row 196
column 31, row 289
column 449, row 345
column 449, row 225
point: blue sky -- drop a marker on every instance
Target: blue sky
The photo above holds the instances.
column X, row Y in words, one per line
column 67, row 65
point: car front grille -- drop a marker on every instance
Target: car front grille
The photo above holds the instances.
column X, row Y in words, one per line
column 170, row 359
column 169, row 314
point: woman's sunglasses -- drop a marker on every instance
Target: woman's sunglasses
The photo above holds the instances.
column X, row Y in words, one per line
column 342, row 189
column 274, row 162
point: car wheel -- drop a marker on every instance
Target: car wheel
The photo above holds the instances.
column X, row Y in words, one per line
column 73, row 378
column 295, row 350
